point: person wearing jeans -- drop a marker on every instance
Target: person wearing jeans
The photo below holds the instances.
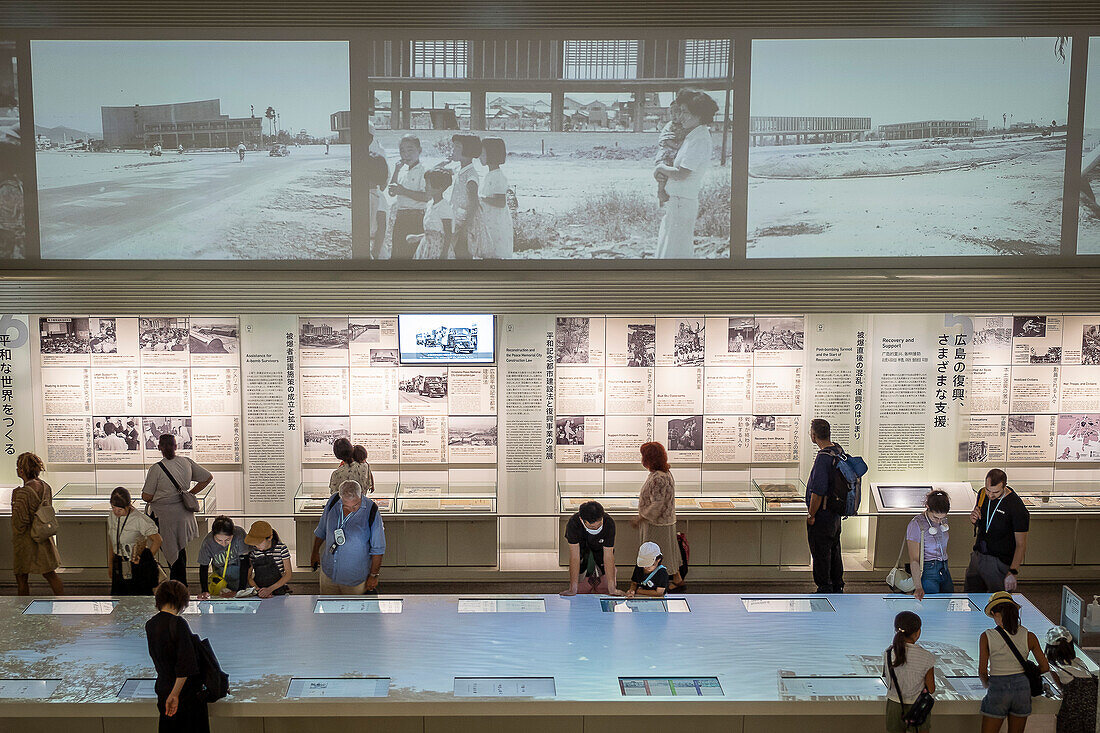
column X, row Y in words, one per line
column 926, row 537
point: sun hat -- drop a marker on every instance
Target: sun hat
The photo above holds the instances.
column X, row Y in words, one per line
column 997, row 599
column 1056, row 634
column 257, row 533
column 647, row 554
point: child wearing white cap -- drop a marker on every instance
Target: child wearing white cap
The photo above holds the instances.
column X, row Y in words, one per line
column 650, row 578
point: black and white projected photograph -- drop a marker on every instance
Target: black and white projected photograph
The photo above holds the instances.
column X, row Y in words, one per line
column 193, row 150
column 443, row 338
column 1088, row 222
column 618, row 150
column 410, row 425
column 58, row 335
column 214, row 336
column 907, row 147
column 12, row 139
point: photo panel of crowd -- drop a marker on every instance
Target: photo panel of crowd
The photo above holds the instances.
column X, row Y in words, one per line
column 318, row 435
column 192, row 150
column 13, row 230
column 58, row 335
column 154, row 427
column 116, row 434
column 907, row 147
column 620, row 150
column 164, row 335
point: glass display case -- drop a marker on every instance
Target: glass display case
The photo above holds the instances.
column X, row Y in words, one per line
column 784, row 495
column 445, row 495
column 692, row 497
column 312, row 497
column 87, row 498
column 1052, row 494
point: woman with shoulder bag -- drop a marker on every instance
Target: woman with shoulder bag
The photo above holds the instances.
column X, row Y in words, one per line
column 132, row 545
column 926, row 538
column 32, row 516
column 1010, row 677
column 172, row 502
column 179, row 686
column 910, row 675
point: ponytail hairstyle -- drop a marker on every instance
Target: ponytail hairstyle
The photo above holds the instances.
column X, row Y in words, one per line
column 906, row 624
column 1010, row 617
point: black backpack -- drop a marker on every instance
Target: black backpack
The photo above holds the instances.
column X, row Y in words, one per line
column 215, row 682
column 836, row 501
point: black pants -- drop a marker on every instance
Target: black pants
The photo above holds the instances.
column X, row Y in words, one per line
column 178, row 571
column 405, row 222
column 824, row 539
column 190, row 717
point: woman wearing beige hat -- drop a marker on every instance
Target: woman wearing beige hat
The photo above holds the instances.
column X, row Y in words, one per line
column 1000, row 668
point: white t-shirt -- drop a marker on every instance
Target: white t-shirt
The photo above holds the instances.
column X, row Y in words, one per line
column 436, row 213
column 918, row 661
column 127, row 531
column 412, row 179
column 694, row 155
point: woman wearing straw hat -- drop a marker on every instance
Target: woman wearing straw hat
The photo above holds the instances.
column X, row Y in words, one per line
column 1000, row 669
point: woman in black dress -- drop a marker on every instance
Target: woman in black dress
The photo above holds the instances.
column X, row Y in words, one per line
column 172, row 648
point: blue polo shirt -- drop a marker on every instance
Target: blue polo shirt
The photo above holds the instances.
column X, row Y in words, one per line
column 350, row 564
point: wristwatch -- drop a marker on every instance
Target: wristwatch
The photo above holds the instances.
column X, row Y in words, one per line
column 373, row 575
column 1013, row 571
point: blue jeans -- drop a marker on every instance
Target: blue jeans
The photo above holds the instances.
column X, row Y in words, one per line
column 936, row 577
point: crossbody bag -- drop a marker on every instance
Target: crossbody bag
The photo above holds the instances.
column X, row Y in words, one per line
column 1031, row 669
column 921, row 708
column 189, row 500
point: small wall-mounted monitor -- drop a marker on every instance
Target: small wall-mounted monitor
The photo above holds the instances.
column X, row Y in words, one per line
column 447, row 339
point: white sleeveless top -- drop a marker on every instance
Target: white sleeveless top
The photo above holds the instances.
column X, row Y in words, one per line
column 1002, row 661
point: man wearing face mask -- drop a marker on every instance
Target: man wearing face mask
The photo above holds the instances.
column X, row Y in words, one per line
column 1000, row 522
column 591, row 537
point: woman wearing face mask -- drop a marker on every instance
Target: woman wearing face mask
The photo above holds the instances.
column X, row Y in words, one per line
column 926, row 537
column 132, row 544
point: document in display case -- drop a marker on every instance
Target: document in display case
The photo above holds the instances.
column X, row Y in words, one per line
column 1052, row 494
column 670, row 687
column 505, row 687
column 90, row 498
column 692, row 497
column 70, row 608
column 446, row 496
column 338, row 687
column 644, row 605
column 312, row 498
column 787, row 495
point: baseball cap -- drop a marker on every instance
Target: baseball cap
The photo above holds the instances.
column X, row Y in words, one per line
column 1056, row 634
column 999, row 598
column 647, row 554
column 257, row 533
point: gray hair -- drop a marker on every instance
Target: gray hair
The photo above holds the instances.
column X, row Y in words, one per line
column 350, row 489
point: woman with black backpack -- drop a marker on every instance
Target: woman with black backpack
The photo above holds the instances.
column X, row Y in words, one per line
column 909, row 671
column 179, row 686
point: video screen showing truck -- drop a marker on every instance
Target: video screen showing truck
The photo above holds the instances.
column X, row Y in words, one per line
column 436, row 339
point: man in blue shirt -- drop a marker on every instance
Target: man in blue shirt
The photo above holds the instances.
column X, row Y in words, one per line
column 349, row 543
column 823, row 524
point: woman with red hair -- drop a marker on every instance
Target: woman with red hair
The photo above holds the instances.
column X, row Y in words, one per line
column 657, row 506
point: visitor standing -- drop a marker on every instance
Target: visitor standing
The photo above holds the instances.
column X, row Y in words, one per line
column 1001, row 523
column 165, row 485
column 822, row 521
column 32, row 554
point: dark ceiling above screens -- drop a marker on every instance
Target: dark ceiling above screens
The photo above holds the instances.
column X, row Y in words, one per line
column 543, row 14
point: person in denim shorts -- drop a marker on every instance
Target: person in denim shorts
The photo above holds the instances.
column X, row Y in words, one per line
column 1009, row 692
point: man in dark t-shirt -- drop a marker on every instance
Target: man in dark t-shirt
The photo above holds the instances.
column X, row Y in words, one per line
column 591, row 537
column 822, row 524
column 1001, row 523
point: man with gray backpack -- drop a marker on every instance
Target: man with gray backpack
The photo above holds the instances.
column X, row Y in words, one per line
column 832, row 492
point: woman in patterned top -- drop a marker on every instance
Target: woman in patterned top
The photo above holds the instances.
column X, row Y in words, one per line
column 353, row 466
column 657, row 506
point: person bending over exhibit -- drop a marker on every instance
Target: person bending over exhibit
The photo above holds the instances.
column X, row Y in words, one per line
column 926, row 539
column 353, row 466
column 676, row 234
column 269, row 561
column 172, row 649
column 223, row 560
column 657, row 504
column 591, row 537
column 1001, row 524
column 650, row 577
column 132, row 545
column 1008, row 692
column 1077, row 713
column 349, row 543
column 822, row 514
column 165, row 484
column 914, row 668
column 28, row 554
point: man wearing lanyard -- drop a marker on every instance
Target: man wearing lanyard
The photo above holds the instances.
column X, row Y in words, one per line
column 349, row 543
column 1000, row 522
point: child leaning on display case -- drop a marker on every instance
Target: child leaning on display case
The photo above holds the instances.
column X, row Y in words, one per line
column 910, row 667
column 650, row 578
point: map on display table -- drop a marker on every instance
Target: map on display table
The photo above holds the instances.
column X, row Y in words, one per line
column 505, row 687
column 357, row 605
column 787, row 605
column 27, row 689
column 670, row 687
column 70, row 608
column 950, row 605
column 501, row 605
column 644, row 605
column 338, row 687
column 138, row 689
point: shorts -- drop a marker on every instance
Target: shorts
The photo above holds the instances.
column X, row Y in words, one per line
column 1007, row 695
column 895, row 714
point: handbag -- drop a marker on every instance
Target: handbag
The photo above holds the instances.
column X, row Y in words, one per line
column 44, row 520
column 921, row 708
column 898, row 578
column 1031, row 669
column 216, row 584
column 189, row 500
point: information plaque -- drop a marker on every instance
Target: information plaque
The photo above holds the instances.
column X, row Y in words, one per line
column 357, row 605
column 969, row 686
column 302, row 687
column 802, row 688
column 788, row 605
column 670, row 687
column 644, row 605
column 138, row 689
column 70, row 608
column 505, row 687
column 501, row 605
column 27, row 689
column 943, row 605
column 206, row 608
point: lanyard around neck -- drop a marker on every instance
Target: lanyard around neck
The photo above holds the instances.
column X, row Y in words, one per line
column 992, row 512
column 118, row 532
